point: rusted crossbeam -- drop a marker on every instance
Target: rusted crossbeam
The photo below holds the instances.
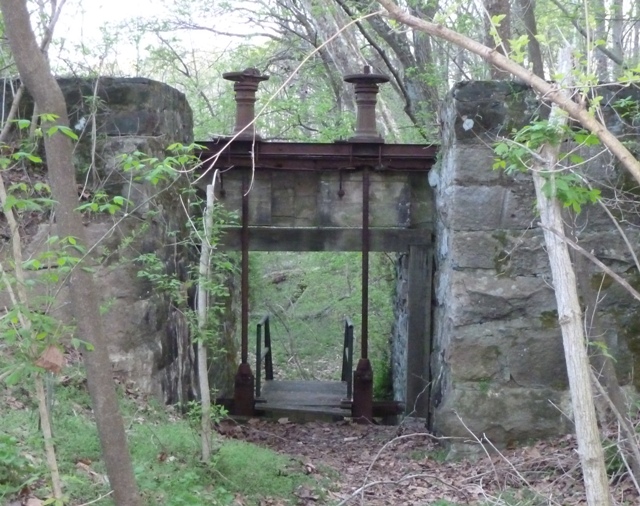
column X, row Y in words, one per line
column 222, row 153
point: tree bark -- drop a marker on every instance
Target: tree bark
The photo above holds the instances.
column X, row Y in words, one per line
column 36, row 75
column 617, row 34
column 604, row 368
column 570, row 317
column 202, row 302
column 533, row 46
column 599, row 12
column 502, row 30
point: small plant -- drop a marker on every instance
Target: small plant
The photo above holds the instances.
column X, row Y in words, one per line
column 194, row 413
column 15, row 470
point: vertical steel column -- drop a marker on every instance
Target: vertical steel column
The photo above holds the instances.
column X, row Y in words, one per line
column 245, row 86
column 244, row 381
column 364, row 349
column 366, row 88
column 362, row 407
column 244, row 283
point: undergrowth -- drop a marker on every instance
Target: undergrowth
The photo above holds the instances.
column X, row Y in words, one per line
column 165, row 449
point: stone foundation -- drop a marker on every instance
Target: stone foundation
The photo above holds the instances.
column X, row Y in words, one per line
column 497, row 357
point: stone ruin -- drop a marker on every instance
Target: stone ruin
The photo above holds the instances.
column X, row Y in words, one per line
column 497, row 359
column 497, row 366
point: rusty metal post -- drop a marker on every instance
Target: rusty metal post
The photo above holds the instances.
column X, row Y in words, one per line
column 364, row 348
column 362, row 407
column 366, row 88
column 246, row 86
column 244, row 382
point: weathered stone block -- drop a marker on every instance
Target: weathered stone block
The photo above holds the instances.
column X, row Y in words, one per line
column 516, row 352
column 476, row 297
column 484, row 208
column 502, row 415
column 509, row 253
column 478, row 111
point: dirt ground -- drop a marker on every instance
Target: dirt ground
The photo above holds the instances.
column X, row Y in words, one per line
column 404, row 465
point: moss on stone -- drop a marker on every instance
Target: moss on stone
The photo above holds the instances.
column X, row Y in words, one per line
column 502, row 258
column 598, row 282
column 630, row 330
column 549, row 319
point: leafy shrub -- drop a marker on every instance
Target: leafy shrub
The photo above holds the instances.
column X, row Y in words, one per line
column 15, row 470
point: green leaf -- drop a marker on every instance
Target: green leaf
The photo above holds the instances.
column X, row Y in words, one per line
column 68, row 132
column 22, row 123
column 48, row 117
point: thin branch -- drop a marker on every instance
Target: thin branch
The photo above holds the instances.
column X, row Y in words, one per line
column 619, row 279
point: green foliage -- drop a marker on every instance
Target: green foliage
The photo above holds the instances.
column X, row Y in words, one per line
column 164, row 447
column 516, row 155
column 627, row 108
column 614, row 462
column 308, row 296
column 15, row 470
column 570, row 190
column 102, row 203
column 194, row 414
column 258, row 472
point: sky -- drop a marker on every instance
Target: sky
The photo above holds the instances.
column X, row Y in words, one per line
column 84, row 22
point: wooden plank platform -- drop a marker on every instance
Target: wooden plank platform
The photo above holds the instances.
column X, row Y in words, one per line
column 304, row 400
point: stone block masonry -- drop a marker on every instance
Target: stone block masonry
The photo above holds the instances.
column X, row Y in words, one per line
column 497, row 359
column 149, row 340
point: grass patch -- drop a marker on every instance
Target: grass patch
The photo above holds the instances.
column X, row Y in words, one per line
column 165, row 450
column 258, row 472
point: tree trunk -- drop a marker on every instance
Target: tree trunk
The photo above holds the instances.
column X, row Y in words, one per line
column 603, row 365
column 500, row 31
column 617, row 34
column 202, row 302
column 36, row 75
column 600, row 33
column 570, row 316
column 533, row 46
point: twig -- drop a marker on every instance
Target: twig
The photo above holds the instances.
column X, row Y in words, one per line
column 634, row 293
column 387, row 482
column 97, row 499
column 626, row 428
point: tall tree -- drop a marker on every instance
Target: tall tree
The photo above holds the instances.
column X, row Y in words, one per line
column 36, row 74
column 498, row 31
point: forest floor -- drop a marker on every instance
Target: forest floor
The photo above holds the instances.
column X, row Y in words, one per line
column 404, row 465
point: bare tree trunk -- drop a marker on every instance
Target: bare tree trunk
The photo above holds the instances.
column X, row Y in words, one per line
column 533, row 46
column 598, row 11
column 45, row 423
column 570, row 316
column 202, row 308
column 36, row 74
column 605, row 371
column 502, row 30
column 635, row 50
column 617, row 34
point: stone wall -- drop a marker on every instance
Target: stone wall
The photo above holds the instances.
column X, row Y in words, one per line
column 149, row 342
column 497, row 356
